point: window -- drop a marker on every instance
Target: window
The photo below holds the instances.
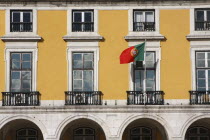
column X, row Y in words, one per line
column 150, row 73
column 21, row 21
column 144, row 20
column 203, row 71
column 141, row 133
column 84, row 134
column 27, row 134
column 82, row 21
column 198, row 133
column 20, row 71
column 83, row 71
column 202, row 19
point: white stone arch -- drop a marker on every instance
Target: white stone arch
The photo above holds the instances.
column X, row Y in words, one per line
column 168, row 131
column 70, row 119
column 39, row 124
column 190, row 121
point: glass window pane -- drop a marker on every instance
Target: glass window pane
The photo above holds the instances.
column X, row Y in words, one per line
column 77, row 84
column 150, row 74
column 89, row 132
column 150, row 83
column 135, row 131
column 88, row 81
column 77, row 56
column 146, row 138
column 149, row 17
column 79, row 131
column 200, row 63
column 201, row 73
column 26, row 84
column 77, row 17
column 88, row 57
column 77, row 74
column 208, row 15
column 89, row 138
column 146, row 131
column 32, row 132
column 15, row 65
column 26, row 65
column 26, row 75
column 88, row 17
column 16, row 83
column 201, row 83
column 26, row 17
column 135, row 138
column 15, row 57
column 200, row 55
column 88, row 64
column 16, row 16
column 77, row 64
column 15, row 75
column 203, row 131
column 199, row 15
column 204, row 138
column 138, row 16
column 22, row 132
column 26, row 57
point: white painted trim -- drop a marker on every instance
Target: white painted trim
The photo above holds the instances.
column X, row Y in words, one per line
column 34, row 67
column 193, row 49
column 95, row 50
column 80, row 34
column 150, row 34
column 157, row 51
column 33, row 33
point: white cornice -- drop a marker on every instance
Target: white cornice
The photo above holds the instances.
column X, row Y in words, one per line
column 82, row 38
column 8, row 38
column 143, row 37
column 198, row 37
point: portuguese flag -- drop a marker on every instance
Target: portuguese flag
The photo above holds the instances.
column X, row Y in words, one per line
column 131, row 54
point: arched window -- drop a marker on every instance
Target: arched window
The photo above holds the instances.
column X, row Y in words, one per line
column 84, row 134
column 141, row 133
column 197, row 133
column 27, row 134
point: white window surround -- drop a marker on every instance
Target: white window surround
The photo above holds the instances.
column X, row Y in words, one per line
column 157, row 51
column 95, row 50
column 155, row 35
column 82, row 35
column 193, row 49
column 34, row 20
column 193, row 33
column 34, row 66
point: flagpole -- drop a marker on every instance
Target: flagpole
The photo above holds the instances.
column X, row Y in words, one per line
column 144, row 88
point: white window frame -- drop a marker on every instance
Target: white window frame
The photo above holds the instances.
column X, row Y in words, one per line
column 83, row 16
column 34, row 22
column 95, row 50
column 157, row 51
column 156, row 20
column 193, row 50
column 70, row 21
column 34, row 66
column 144, row 18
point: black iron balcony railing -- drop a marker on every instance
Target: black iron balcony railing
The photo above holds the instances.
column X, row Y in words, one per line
column 144, row 26
column 199, row 97
column 21, row 98
column 150, row 98
column 83, row 98
column 83, row 27
column 202, row 26
column 21, row 27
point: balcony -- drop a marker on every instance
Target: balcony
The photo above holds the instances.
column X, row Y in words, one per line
column 144, row 26
column 199, row 97
column 83, row 98
column 202, row 26
column 83, row 27
column 20, row 98
column 21, row 27
column 150, row 98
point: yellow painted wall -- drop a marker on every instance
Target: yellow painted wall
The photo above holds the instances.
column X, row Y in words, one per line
column 175, row 62
column 113, row 76
column 2, row 47
column 52, row 62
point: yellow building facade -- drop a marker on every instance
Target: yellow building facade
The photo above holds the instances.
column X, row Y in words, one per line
column 61, row 77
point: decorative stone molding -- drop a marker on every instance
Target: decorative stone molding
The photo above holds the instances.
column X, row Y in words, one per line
column 82, row 38
column 143, row 37
column 198, row 37
column 8, row 38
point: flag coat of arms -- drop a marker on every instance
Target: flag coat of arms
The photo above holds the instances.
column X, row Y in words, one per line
column 131, row 54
